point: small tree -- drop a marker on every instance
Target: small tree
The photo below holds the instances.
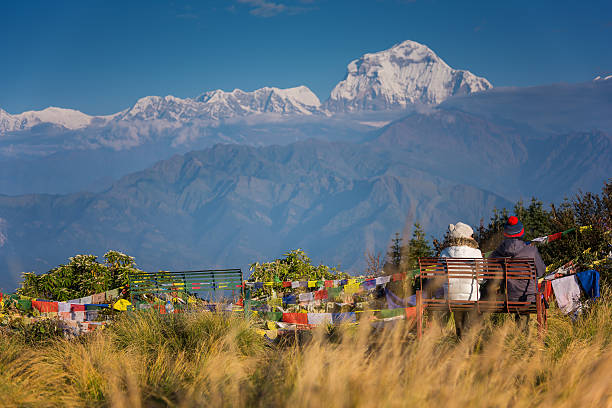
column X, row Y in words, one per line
column 374, row 263
column 394, row 255
column 418, row 247
column 296, row 266
column 83, row 275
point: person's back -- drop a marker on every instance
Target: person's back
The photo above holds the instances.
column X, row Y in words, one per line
column 514, row 247
column 461, row 245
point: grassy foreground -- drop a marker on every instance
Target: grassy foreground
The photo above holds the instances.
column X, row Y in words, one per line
column 206, row 359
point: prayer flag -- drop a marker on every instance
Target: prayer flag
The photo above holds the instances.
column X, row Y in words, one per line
column 289, row 299
column 348, row 317
column 297, row 318
column 306, row 297
column 387, row 313
column 44, row 306
column 312, row 283
column 274, row 316
column 286, row 284
column 329, row 283
column 351, row 288
column 320, row 294
column 411, row 312
column 295, row 284
column 319, row 318
column 75, row 307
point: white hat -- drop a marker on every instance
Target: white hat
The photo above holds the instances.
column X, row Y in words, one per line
column 460, row 230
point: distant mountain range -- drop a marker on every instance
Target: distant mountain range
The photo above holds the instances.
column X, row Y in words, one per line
column 405, row 74
column 227, row 178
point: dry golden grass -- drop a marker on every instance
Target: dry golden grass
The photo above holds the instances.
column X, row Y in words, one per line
column 206, row 359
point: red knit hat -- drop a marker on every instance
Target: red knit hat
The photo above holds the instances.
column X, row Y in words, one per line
column 513, row 228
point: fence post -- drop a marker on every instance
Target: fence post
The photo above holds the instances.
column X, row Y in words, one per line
column 419, row 315
column 247, row 301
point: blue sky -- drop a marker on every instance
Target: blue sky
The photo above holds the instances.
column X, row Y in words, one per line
column 101, row 56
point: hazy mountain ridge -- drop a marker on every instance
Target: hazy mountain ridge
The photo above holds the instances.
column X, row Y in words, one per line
column 233, row 204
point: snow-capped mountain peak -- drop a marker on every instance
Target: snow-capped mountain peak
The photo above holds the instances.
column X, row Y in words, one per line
column 602, row 78
column 268, row 99
column 68, row 118
column 404, row 74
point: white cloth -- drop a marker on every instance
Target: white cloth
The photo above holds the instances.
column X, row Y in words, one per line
column 295, row 284
column 567, row 293
column 86, row 300
column 462, row 288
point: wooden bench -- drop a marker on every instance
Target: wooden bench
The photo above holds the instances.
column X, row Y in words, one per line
column 211, row 280
column 434, row 273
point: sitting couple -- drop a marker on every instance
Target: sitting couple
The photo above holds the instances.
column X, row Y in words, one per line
column 461, row 244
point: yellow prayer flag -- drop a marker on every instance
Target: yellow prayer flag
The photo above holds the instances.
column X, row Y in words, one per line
column 586, row 227
column 351, row 288
column 312, row 284
column 121, row 305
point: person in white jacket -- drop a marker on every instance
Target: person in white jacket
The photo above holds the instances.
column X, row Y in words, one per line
column 460, row 244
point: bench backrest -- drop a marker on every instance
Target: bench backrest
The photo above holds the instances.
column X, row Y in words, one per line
column 435, row 272
column 185, row 281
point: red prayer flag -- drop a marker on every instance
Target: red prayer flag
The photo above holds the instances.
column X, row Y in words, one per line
column 411, row 313
column 320, row 294
column 298, row 318
column 75, row 307
column 286, row 284
column 43, row 307
column 329, row 283
column 554, row 237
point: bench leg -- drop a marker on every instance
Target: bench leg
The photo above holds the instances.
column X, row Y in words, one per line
column 541, row 316
column 419, row 314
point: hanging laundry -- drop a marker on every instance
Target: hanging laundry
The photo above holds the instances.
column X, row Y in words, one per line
column 589, row 280
column 567, row 293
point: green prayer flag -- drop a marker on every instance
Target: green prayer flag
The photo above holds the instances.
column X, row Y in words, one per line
column 333, row 293
column 24, row 304
column 274, row 316
column 386, row 313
